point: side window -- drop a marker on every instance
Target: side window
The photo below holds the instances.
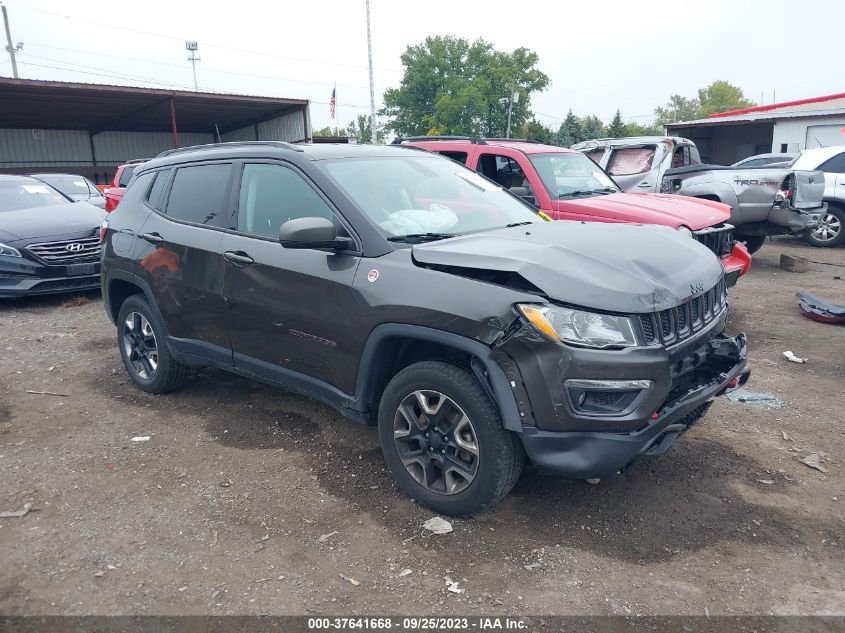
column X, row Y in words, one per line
column 835, row 165
column 627, row 161
column 694, row 156
column 595, row 155
column 461, row 157
column 154, row 196
column 198, row 194
column 138, row 190
column 504, row 170
column 679, row 158
column 271, row 195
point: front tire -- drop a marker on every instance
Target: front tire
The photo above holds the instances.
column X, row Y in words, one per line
column 753, row 242
column 443, row 439
column 143, row 348
column 829, row 231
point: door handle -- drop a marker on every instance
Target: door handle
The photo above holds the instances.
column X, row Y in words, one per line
column 644, row 185
column 238, row 258
column 153, row 238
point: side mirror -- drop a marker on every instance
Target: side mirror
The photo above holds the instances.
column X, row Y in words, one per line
column 312, row 232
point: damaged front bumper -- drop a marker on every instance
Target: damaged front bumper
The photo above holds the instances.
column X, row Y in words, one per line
column 591, row 443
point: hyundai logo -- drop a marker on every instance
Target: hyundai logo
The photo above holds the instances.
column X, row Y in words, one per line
column 75, row 247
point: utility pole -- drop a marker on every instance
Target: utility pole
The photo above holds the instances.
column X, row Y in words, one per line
column 514, row 98
column 9, row 47
column 372, row 89
column 192, row 49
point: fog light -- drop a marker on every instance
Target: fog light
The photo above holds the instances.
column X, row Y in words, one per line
column 605, row 396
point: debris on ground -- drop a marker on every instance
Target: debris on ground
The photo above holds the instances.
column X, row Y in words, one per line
column 820, row 310
column 452, row 585
column 141, row 438
column 786, row 436
column 766, row 482
column 532, row 566
column 74, row 302
column 742, row 395
column 226, row 483
column 326, row 537
column 47, row 393
column 404, row 572
column 593, row 481
column 438, row 525
column 814, row 461
column 17, row 513
column 792, row 358
column 794, row 263
column 350, row 580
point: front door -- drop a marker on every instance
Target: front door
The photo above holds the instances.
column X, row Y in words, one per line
column 288, row 309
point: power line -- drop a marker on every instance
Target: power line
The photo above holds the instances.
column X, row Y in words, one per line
column 95, row 74
column 182, row 67
column 209, row 44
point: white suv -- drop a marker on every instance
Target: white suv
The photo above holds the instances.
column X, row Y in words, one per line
column 830, row 160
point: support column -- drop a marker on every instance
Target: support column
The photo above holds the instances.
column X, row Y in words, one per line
column 173, row 124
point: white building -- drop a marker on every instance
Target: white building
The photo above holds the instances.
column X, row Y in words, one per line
column 791, row 126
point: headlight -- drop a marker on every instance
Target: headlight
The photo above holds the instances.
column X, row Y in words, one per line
column 8, row 251
column 684, row 231
column 579, row 327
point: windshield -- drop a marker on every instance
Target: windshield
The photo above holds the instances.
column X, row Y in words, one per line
column 74, row 186
column 426, row 196
column 15, row 196
column 571, row 174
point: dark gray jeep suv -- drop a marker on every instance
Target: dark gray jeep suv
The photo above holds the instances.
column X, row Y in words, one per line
column 411, row 293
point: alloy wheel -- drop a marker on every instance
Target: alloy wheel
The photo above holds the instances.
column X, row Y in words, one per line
column 828, row 228
column 140, row 346
column 436, row 442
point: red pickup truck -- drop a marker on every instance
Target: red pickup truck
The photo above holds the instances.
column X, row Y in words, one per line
column 566, row 185
column 121, row 178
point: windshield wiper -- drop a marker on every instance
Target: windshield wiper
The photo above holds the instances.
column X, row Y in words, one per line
column 513, row 224
column 587, row 192
column 415, row 238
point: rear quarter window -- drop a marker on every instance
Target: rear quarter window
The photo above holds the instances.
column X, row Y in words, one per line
column 126, row 176
column 461, row 157
column 138, row 190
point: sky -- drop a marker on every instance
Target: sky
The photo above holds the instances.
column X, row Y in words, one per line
column 599, row 56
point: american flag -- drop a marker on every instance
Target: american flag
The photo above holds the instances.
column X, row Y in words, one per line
column 333, row 102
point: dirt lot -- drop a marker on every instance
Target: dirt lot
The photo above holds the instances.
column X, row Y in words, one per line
column 225, row 508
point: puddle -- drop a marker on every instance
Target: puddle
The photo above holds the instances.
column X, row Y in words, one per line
column 755, row 399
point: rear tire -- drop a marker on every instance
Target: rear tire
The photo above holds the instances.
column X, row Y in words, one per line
column 830, row 231
column 443, row 439
column 142, row 342
column 753, row 242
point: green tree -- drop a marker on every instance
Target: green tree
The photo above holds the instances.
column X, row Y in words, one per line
column 678, row 109
column 633, row 128
column 533, row 130
column 450, row 86
column 570, row 131
column 324, row 131
column 721, row 96
column 616, row 129
column 362, row 129
column 593, row 127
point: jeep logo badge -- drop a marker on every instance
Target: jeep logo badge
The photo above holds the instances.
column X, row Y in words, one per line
column 75, row 247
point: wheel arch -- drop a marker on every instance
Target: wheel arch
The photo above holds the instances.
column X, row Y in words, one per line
column 393, row 346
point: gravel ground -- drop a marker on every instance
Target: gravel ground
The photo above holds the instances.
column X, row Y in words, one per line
column 249, row 500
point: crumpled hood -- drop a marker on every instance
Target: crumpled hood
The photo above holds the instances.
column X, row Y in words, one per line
column 651, row 208
column 614, row 267
column 41, row 222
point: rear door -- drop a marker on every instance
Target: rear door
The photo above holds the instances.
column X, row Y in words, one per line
column 288, row 309
column 834, row 176
column 181, row 261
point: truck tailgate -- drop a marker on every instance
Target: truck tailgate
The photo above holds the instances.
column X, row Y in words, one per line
column 809, row 189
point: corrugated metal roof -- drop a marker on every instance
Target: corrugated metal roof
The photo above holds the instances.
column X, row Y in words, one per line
column 755, row 117
column 30, row 103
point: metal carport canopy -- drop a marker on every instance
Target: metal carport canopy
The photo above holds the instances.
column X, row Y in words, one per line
column 29, row 103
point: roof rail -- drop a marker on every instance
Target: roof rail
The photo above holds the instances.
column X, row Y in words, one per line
column 515, row 140
column 134, row 161
column 472, row 139
column 196, row 148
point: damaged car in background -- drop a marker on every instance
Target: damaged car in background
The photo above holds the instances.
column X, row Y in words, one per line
column 764, row 200
column 566, row 186
column 411, row 293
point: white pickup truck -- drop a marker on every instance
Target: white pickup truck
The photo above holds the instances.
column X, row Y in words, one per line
column 763, row 200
